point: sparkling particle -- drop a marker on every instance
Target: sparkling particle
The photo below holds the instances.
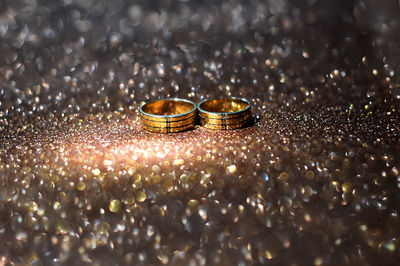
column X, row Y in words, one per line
column 390, row 245
column 231, row 169
column 131, row 170
column 115, row 206
column 129, row 200
column 283, row 176
column 155, row 168
column 178, row 162
column 96, row 171
column 81, row 186
column 107, row 163
column 20, row 236
column 140, row 196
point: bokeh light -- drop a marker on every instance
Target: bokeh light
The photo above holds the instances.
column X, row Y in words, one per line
column 314, row 179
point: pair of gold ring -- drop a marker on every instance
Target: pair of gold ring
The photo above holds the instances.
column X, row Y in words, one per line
column 175, row 115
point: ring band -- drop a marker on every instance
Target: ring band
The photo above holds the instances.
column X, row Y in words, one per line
column 168, row 115
column 225, row 113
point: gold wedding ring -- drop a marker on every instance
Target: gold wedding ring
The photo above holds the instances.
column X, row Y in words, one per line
column 226, row 113
column 168, row 115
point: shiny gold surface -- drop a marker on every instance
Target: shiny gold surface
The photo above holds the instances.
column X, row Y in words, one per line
column 225, row 113
column 234, row 120
column 224, row 105
column 169, row 107
column 168, row 115
column 232, row 107
column 225, row 121
column 165, row 118
column 171, row 123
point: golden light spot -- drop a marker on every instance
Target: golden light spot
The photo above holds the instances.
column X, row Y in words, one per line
column 56, row 205
column 26, row 170
column 347, row 186
column 136, row 178
column 115, row 206
column 268, row 255
column 178, row 162
column 81, row 186
column 96, row 171
column 155, row 168
column 318, row 261
column 129, row 200
column 107, row 162
column 184, row 177
column 283, row 176
column 193, row 203
column 140, row 196
column 231, row 169
column 131, row 170
column 307, row 217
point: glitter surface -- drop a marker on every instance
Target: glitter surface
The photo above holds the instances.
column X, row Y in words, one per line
column 314, row 180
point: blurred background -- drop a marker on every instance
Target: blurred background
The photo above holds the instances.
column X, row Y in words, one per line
column 314, row 181
column 126, row 51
